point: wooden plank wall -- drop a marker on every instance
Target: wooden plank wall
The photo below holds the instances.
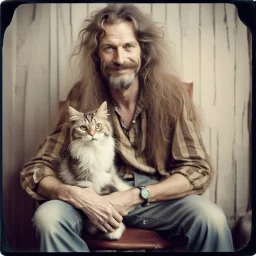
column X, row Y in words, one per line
column 210, row 48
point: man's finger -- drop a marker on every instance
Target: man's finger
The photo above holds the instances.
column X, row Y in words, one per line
column 102, row 229
column 117, row 216
column 108, row 227
column 113, row 223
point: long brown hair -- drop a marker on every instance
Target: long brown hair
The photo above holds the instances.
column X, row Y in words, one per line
column 164, row 93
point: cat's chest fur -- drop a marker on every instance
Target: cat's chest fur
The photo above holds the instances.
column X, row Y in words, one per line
column 92, row 163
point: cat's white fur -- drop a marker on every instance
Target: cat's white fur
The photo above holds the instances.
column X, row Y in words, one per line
column 96, row 158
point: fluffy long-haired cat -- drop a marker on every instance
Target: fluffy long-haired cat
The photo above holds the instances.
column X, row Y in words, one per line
column 89, row 159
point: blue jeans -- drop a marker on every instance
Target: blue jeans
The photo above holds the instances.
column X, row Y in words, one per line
column 200, row 222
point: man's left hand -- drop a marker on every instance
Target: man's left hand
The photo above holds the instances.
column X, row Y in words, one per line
column 124, row 201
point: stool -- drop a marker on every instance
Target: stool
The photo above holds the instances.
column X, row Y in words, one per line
column 133, row 239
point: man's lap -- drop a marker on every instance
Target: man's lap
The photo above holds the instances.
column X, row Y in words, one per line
column 161, row 216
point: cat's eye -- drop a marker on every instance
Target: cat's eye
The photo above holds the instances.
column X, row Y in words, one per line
column 83, row 127
column 98, row 126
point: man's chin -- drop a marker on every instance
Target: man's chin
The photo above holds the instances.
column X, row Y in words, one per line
column 120, row 87
column 121, row 82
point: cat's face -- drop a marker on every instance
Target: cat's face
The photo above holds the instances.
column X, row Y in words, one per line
column 90, row 127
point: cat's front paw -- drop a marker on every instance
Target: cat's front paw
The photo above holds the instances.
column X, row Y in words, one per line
column 116, row 234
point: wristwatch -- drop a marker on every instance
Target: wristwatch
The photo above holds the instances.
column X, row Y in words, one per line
column 145, row 194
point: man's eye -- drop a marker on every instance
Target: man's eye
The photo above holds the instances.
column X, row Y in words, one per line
column 98, row 126
column 108, row 49
column 129, row 46
column 83, row 127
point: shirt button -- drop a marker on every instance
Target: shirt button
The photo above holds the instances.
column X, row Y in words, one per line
column 133, row 121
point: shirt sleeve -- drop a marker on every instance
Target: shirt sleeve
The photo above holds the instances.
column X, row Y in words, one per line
column 189, row 156
column 45, row 163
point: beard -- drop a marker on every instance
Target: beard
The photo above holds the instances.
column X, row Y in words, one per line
column 122, row 82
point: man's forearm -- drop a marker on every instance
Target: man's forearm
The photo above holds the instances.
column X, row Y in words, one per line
column 175, row 186
column 52, row 188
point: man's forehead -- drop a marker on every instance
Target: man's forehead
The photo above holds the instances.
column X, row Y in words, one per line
column 120, row 31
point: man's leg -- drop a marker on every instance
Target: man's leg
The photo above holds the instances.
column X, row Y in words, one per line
column 201, row 222
column 58, row 226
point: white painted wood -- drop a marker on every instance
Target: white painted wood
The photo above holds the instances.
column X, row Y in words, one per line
column 173, row 35
column 146, row 8
column 190, row 47
column 37, row 83
column 64, row 47
column 9, row 80
column 225, row 110
column 53, row 73
column 78, row 16
column 159, row 15
column 207, row 88
column 241, row 94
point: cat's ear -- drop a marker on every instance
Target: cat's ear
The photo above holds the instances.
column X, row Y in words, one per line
column 102, row 110
column 74, row 114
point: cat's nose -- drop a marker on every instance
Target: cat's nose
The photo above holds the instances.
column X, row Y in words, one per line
column 91, row 132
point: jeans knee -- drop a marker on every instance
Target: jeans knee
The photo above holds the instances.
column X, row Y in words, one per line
column 211, row 216
column 51, row 215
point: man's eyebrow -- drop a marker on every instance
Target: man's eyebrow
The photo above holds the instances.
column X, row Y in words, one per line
column 113, row 44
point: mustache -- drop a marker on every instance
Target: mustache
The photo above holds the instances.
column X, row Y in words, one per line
column 117, row 67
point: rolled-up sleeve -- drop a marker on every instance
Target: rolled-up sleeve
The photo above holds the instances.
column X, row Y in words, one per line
column 189, row 156
column 45, row 163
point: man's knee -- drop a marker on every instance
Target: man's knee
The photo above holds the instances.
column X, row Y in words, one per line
column 207, row 213
column 52, row 214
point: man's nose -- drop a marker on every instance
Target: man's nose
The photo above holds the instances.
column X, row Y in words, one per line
column 120, row 56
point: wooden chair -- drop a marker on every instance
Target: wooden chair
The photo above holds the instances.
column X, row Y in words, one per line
column 134, row 239
column 137, row 239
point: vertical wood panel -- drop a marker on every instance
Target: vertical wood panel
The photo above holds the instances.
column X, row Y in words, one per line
column 173, row 34
column 225, row 109
column 53, row 74
column 190, row 44
column 9, row 80
column 78, row 16
column 146, row 8
column 64, row 47
column 15, row 53
column 242, row 94
column 158, row 14
column 37, row 93
column 207, row 85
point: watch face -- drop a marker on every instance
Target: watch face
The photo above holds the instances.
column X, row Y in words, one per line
column 145, row 193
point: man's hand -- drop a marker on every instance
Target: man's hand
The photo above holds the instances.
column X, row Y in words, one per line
column 97, row 208
column 124, row 201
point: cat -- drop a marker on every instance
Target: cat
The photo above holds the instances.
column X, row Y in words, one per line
column 89, row 159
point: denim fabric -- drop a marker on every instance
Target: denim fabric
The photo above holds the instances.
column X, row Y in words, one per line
column 200, row 222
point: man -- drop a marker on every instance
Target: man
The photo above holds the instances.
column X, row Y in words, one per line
column 159, row 148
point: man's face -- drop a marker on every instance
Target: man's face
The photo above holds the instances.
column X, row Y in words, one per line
column 119, row 53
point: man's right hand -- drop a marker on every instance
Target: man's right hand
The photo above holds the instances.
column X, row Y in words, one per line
column 97, row 208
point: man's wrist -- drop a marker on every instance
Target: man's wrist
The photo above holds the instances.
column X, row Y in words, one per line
column 136, row 196
column 71, row 195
